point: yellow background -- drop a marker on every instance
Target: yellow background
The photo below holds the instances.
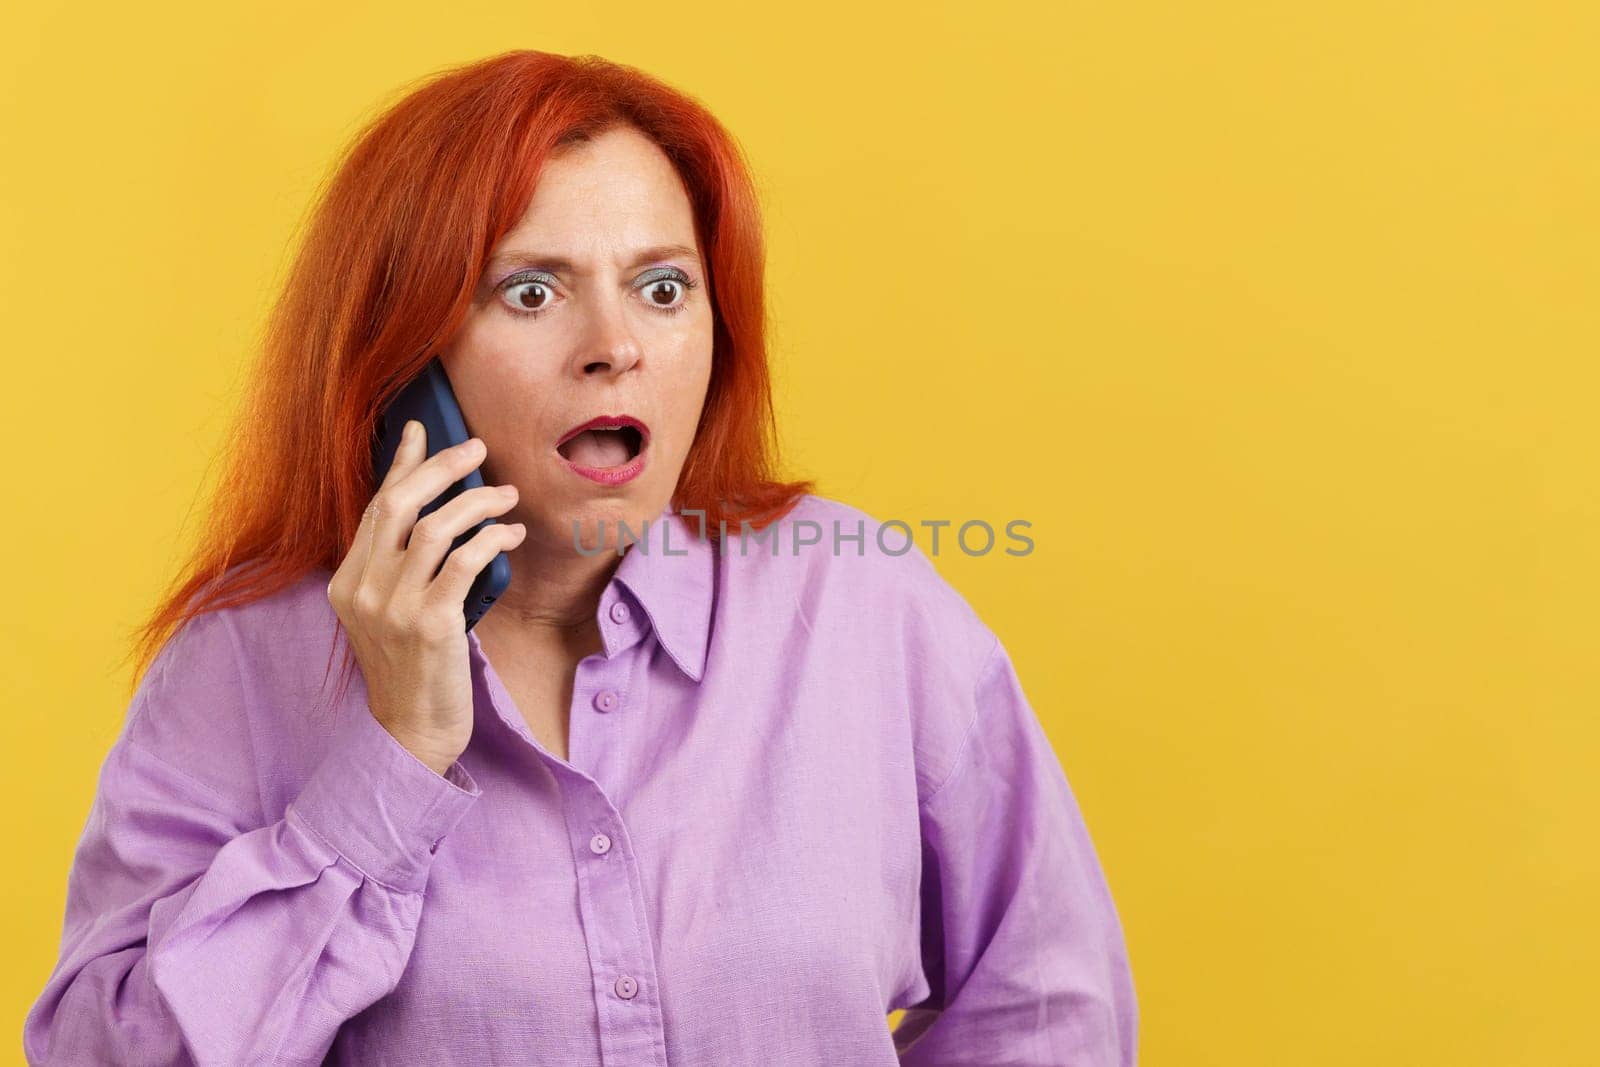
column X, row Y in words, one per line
column 1277, row 323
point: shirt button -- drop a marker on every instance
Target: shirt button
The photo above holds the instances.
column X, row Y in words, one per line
column 626, row 987
column 599, row 844
column 606, row 700
column 619, row 612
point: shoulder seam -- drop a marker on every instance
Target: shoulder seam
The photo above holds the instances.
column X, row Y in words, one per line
column 249, row 720
column 249, row 819
column 224, row 803
column 800, row 613
column 989, row 660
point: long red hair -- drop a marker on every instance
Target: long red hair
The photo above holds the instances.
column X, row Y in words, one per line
column 385, row 274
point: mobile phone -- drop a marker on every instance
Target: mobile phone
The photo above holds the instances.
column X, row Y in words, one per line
column 429, row 399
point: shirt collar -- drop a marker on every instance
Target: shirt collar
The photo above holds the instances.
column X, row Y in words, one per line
column 674, row 582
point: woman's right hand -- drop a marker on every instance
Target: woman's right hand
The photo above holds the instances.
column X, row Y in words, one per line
column 407, row 627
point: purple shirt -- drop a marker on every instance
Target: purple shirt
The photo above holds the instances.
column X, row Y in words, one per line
column 803, row 790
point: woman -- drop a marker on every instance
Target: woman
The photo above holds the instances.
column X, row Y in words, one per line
column 704, row 797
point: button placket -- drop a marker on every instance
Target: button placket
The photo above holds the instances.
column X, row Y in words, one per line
column 614, row 915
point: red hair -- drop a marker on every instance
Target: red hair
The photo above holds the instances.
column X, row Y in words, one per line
column 385, row 274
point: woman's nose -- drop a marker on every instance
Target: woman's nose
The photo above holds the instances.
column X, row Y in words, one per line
column 609, row 344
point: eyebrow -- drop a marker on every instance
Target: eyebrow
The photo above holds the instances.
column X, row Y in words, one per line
column 558, row 263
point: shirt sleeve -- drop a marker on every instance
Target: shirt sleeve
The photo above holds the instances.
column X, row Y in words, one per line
column 1022, row 945
column 199, row 933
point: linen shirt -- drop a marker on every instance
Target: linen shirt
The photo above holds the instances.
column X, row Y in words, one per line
column 804, row 789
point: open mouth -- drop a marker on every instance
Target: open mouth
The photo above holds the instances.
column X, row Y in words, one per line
column 603, row 443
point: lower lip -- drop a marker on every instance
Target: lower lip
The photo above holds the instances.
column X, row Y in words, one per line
column 607, row 475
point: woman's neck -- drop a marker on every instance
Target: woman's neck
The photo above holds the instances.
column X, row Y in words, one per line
column 550, row 606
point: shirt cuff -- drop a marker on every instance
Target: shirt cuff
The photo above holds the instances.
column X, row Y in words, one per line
column 378, row 805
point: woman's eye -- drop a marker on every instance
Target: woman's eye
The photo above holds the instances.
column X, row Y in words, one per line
column 530, row 297
column 663, row 292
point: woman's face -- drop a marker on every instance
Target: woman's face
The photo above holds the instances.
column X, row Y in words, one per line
column 606, row 257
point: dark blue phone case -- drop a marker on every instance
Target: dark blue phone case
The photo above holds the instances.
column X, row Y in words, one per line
column 430, row 400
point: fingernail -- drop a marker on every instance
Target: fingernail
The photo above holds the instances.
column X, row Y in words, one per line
column 406, row 432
